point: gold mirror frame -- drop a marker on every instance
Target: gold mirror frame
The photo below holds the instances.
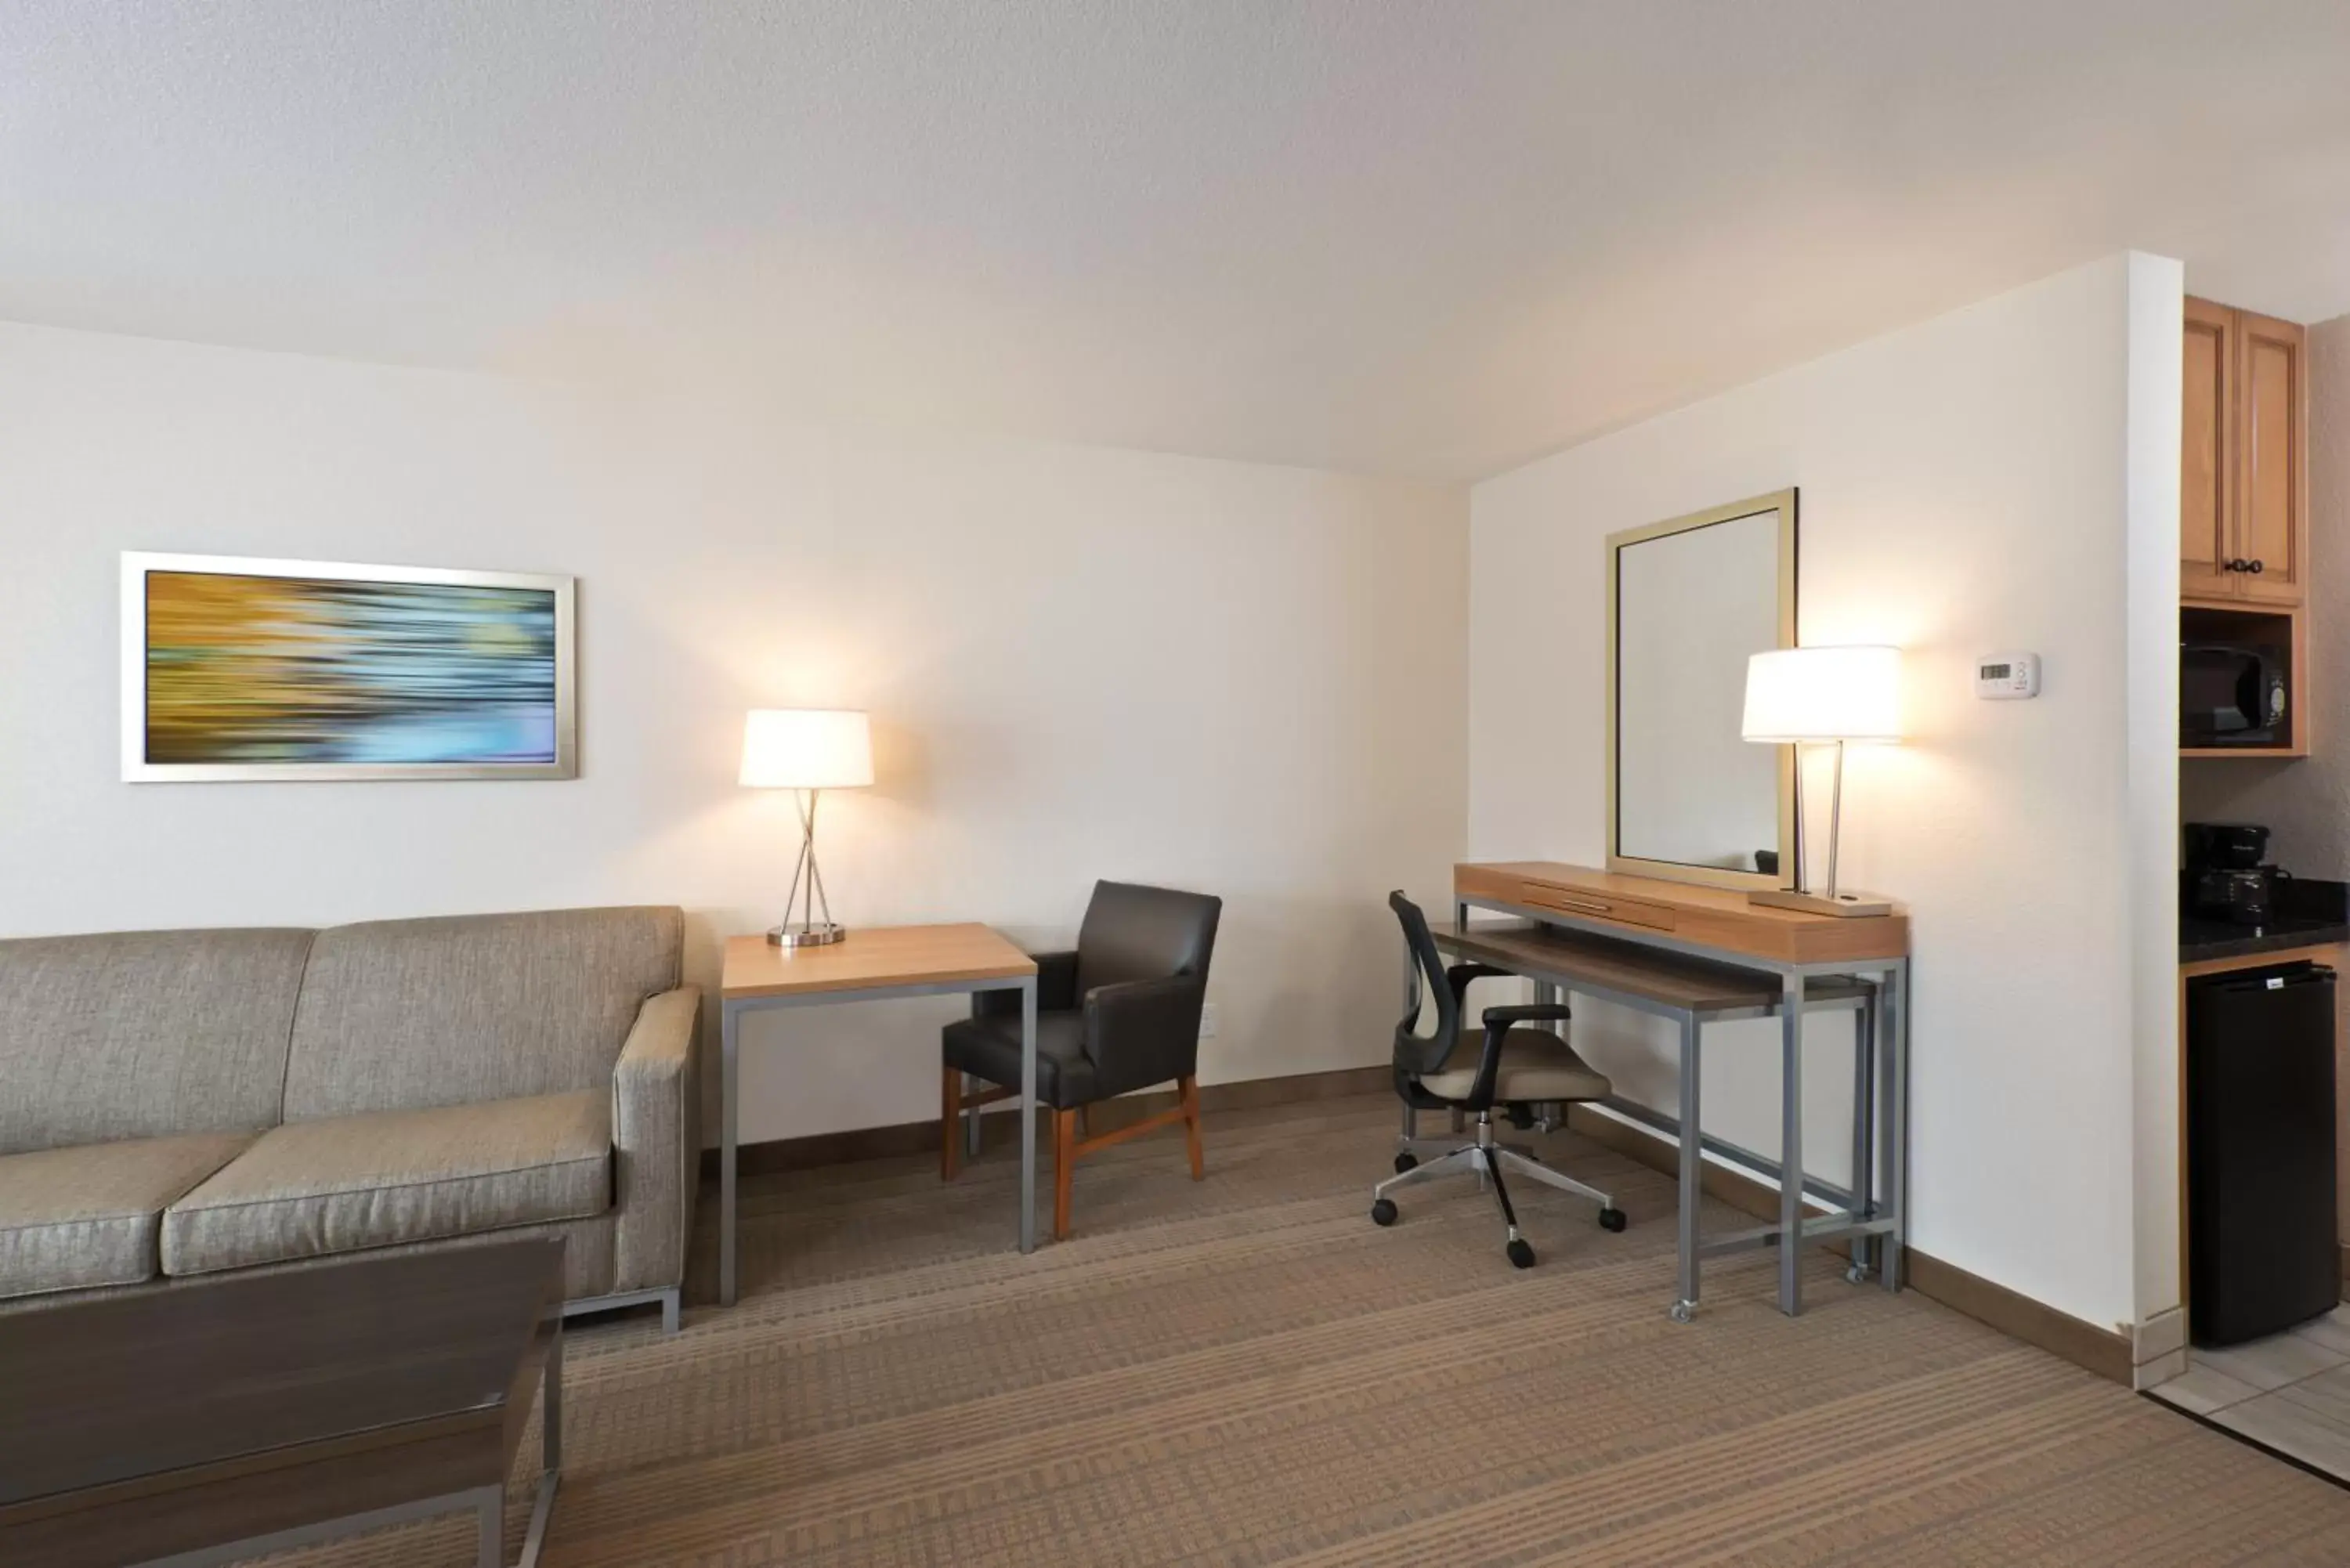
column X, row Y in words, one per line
column 1781, row 501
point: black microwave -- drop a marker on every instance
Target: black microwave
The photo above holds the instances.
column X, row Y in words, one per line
column 2232, row 694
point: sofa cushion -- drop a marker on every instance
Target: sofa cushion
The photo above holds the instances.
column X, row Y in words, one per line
column 71, row 1218
column 404, row 1015
column 144, row 1034
column 310, row 1188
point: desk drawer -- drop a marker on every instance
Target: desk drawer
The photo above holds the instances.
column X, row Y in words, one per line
column 1598, row 906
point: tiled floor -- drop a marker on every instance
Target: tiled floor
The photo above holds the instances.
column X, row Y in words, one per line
column 2290, row 1392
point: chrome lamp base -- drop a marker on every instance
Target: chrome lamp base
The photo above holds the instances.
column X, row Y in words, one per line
column 806, row 936
column 1821, row 903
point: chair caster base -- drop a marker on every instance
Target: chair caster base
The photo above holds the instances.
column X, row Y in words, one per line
column 1612, row 1220
column 1682, row 1312
column 1383, row 1212
column 1406, row 1161
column 1522, row 1256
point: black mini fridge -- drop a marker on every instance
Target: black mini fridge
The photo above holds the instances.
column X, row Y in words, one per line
column 2261, row 1249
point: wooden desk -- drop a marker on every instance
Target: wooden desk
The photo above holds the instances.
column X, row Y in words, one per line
column 1794, row 961
column 869, row 964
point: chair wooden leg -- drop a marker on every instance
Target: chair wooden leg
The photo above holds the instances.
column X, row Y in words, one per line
column 950, row 1124
column 1065, row 1169
column 1190, row 1086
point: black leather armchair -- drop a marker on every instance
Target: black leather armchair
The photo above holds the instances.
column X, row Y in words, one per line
column 1120, row 1012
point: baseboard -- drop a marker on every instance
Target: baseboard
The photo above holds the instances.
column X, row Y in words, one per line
column 996, row 1124
column 2105, row 1352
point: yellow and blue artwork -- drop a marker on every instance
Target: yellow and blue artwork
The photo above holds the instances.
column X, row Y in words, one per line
column 275, row 670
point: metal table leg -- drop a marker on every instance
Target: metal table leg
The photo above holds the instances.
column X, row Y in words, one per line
column 1791, row 1145
column 1692, row 1153
column 1028, row 1115
column 1893, row 1118
column 490, row 1527
column 1864, row 1130
column 730, row 1032
column 550, row 1431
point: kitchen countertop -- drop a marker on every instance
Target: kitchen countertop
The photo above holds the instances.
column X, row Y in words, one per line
column 2309, row 913
column 2202, row 939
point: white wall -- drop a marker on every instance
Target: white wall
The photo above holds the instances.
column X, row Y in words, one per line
column 1081, row 663
column 1967, row 487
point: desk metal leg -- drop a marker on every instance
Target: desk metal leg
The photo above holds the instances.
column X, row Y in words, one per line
column 730, row 1030
column 1864, row 1129
column 1893, row 1122
column 1692, row 1172
column 1028, row 1115
column 1791, row 1147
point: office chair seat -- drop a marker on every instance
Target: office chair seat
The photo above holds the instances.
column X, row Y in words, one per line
column 1536, row 1065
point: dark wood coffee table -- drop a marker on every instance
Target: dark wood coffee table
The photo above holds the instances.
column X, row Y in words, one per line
column 225, row 1419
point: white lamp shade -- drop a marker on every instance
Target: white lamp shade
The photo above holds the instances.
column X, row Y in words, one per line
column 806, row 748
column 1824, row 694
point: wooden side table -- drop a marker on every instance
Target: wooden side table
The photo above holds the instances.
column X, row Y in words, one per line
column 868, row 965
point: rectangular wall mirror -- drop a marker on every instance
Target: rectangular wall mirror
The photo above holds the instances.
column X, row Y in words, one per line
column 1687, row 600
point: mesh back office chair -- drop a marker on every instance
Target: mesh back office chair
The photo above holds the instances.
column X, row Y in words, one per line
column 1507, row 1065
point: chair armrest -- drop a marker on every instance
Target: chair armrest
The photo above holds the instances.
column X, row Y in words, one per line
column 1056, row 989
column 1144, row 1032
column 1527, row 1012
column 657, row 1141
column 1499, row 1021
column 1460, row 975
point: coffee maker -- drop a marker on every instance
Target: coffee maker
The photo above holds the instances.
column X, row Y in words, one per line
column 2226, row 878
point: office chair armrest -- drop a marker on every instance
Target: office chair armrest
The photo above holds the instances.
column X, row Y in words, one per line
column 1460, row 975
column 1498, row 1022
column 1144, row 1032
column 1527, row 1012
column 1056, row 989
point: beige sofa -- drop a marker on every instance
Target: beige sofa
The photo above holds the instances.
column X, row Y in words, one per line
column 177, row 1104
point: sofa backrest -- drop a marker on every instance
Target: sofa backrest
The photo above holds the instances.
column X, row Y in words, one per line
column 144, row 1033
column 407, row 1014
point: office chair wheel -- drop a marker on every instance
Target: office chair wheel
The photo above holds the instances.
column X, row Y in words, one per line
column 1383, row 1212
column 1522, row 1256
column 1611, row 1219
column 1405, row 1161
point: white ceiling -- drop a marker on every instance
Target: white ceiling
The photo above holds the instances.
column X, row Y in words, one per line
column 1425, row 236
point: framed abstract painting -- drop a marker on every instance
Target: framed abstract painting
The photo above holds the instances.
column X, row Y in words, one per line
column 235, row 669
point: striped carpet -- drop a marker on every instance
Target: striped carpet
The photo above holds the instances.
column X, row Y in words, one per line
column 1246, row 1371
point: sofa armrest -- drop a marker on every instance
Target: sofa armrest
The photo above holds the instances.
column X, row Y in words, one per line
column 657, row 1141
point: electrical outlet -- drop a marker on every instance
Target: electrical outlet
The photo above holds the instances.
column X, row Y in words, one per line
column 1207, row 1021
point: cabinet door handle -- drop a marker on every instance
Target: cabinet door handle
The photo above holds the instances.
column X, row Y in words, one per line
column 2253, row 568
column 2237, row 565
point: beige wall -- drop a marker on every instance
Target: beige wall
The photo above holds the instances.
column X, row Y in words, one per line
column 2307, row 803
column 1081, row 663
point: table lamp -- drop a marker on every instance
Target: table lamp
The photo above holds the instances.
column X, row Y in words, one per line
column 806, row 749
column 1846, row 695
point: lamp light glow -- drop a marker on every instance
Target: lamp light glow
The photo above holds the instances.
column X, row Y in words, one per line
column 806, row 749
column 1799, row 694
column 1843, row 695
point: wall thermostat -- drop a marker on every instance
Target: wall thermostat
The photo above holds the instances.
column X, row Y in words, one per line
column 2000, row 676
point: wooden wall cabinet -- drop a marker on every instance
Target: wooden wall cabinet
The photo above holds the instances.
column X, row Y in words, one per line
column 2243, row 494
